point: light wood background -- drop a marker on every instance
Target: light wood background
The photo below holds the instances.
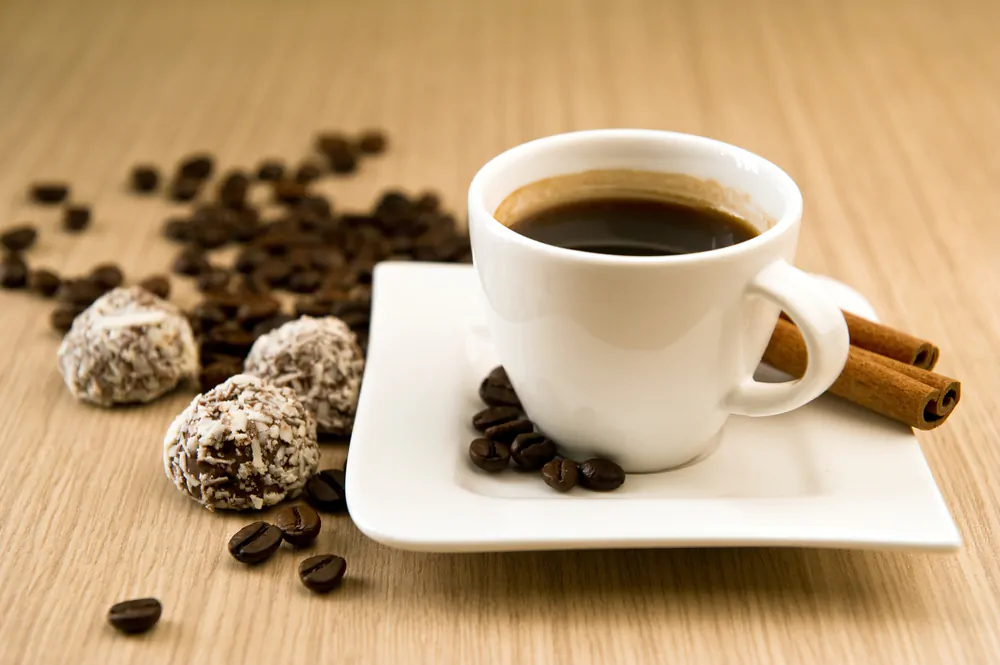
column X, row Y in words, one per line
column 887, row 114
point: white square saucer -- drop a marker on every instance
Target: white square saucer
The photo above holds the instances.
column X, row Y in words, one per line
column 826, row 475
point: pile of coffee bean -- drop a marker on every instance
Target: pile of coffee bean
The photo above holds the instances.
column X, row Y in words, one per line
column 299, row 525
column 509, row 435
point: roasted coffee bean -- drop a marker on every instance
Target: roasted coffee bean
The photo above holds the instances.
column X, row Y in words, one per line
column 233, row 189
column 601, row 475
column 158, row 285
column 191, row 262
column 489, row 455
column 289, row 191
column 213, row 280
column 19, row 238
column 249, row 259
column 267, row 325
column 252, row 312
column 270, row 169
column 76, row 218
column 107, row 276
column 184, row 189
column 561, row 474
column 145, row 178
column 207, row 315
column 315, row 205
column 49, row 192
column 81, row 292
column 255, row 542
column 273, row 272
column 427, row 202
column 198, row 166
column 246, row 227
column 13, row 272
column 507, row 431
column 494, row 415
column 62, row 317
column 498, row 395
column 229, row 302
column 299, row 524
column 178, row 230
column 325, row 491
column 307, row 173
column 532, row 450
column 217, row 372
column 210, row 235
column 332, row 142
column 133, row 617
column 227, row 339
column 322, row 573
column 304, row 281
column 44, row 282
column 343, row 162
column 372, row 142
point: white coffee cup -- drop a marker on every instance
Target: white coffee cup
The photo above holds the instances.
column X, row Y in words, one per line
column 642, row 359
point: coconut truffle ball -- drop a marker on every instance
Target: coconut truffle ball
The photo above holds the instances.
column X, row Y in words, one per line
column 244, row 444
column 127, row 347
column 318, row 358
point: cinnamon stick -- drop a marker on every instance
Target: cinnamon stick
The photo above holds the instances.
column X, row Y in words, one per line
column 889, row 342
column 897, row 390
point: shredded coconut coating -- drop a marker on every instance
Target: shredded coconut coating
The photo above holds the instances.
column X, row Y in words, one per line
column 128, row 347
column 321, row 361
column 244, row 444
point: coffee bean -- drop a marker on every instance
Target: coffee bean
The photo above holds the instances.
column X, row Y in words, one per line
column 267, row 325
column 372, row 142
column 217, row 372
column 270, row 169
column 133, row 617
column 273, row 272
column 561, row 474
column 289, row 191
column 332, row 142
column 44, row 282
column 322, row 573
column 81, row 292
column 507, row 431
column 246, row 227
column 233, row 189
column 498, row 395
column 229, row 302
column 249, row 259
column 494, row 415
column 252, row 312
column 304, row 281
column 601, row 475
column 325, row 491
column 210, row 235
column 49, row 192
column 76, row 218
column 299, row 524
column 255, row 542
column 107, row 276
column 158, row 285
column 191, row 262
column 213, row 280
column 198, row 166
column 184, row 189
column 427, row 202
column 62, row 317
column 343, row 162
column 489, row 455
column 145, row 178
column 178, row 230
column 207, row 315
column 307, row 173
column 532, row 450
column 19, row 238
column 227, row 339
column 13, row 272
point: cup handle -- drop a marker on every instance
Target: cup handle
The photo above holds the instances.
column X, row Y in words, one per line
column 823, row 328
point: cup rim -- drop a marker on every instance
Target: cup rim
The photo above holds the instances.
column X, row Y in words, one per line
column 478, row 210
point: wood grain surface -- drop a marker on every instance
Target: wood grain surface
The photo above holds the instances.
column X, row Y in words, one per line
column 886, row 113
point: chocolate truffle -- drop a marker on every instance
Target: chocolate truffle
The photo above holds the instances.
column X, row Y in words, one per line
column 128, row 347
column 244, row 444
column 320, row 359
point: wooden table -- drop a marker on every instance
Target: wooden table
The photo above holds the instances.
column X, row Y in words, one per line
column 885, row 112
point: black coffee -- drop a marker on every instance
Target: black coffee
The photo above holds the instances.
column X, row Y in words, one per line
column 634, row 227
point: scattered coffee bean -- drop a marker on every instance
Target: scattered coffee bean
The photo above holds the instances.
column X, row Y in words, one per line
column 178, row 230
column 227, row 339
column 427, row 202
column 19, row 238
column 532, row 450
column 184, row 189
column 158, row 285
column 214, row 279
column 601, row 475
column 208, row 315
column 343, row 162
column 299, row 524
column 198, row 166
column 273, row 271
column 332, row 142
column 233, row 189
column 372, row 142
column 489, row 455
column 107, row 276
column 496, row 390
column 270, row 169
column 145, row 178
column 289, row 191
column 133, row 617
column 44, row 282
column 255, row 542
column 217, row 372
column 49, row 192
column 210, row 235
column 191, row 262
column 62, row 317
column 13, row 272
column 76, row 218
column 325, row 491
column 81, row 292
column 322, row 573
column 249, row 259
column 561, row 474
column 494, row 415
column 307, row 173
column 507, row 431
column 304, row 281
column 253, row 312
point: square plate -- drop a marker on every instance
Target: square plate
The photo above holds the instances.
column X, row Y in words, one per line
column 827, row 475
